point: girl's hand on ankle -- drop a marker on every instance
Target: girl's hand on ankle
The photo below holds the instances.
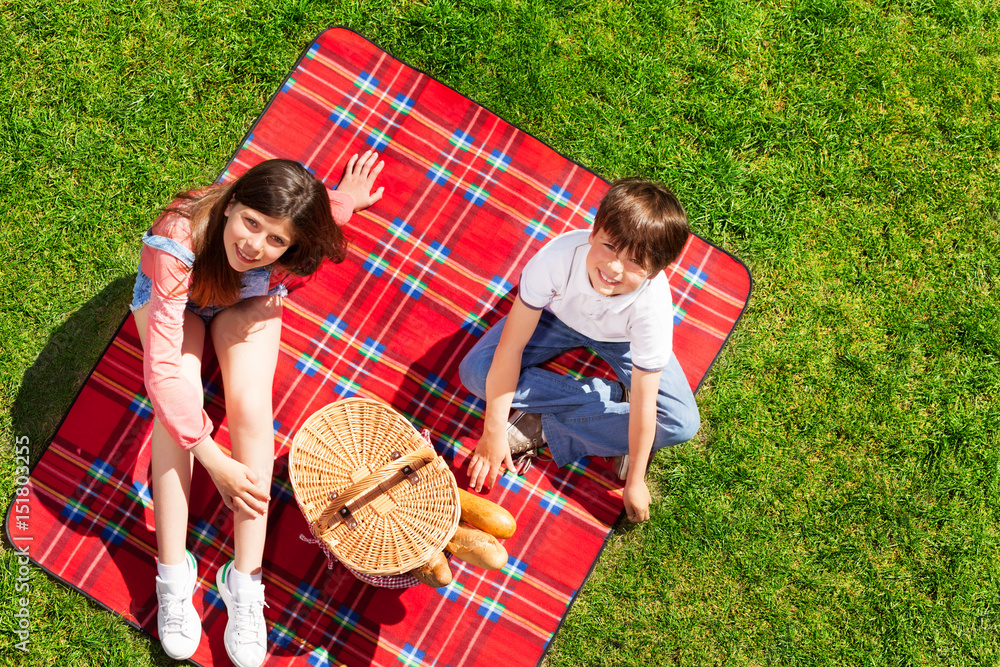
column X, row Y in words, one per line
column 359, row 178
column 237, row 484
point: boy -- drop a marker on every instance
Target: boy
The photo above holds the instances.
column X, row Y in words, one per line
column 604, row 289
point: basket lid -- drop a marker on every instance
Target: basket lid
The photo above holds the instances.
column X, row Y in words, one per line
column 371, row 487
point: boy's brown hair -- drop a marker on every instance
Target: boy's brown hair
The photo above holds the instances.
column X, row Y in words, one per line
column 645, row 220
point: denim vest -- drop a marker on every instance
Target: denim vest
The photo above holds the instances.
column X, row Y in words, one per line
column 256, row 282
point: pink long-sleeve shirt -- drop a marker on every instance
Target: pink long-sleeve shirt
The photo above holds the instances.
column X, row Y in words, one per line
column 176, row 402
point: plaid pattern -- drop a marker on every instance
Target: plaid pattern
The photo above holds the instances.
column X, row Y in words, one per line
column 469, row 198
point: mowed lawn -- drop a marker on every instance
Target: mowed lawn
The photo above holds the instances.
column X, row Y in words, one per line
column 840, row 504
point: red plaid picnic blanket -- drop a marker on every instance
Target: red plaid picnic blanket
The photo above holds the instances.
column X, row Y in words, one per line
column 469, row 198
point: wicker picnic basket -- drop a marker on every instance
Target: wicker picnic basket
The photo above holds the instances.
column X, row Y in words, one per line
column 372, row 489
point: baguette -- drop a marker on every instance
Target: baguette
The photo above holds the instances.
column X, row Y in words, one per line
column 435, row 573
column 486, row 516
column 478, row 548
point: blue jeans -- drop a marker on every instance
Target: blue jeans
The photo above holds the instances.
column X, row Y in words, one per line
column 583, row 417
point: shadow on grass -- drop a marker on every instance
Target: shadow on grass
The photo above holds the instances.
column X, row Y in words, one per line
column 52, row 383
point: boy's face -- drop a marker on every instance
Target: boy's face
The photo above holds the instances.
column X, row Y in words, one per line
column 610, row 270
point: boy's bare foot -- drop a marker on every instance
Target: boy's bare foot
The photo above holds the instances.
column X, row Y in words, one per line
column 525, row 437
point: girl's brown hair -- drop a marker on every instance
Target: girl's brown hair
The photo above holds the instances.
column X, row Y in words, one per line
column 281, row 189
column 646, row 220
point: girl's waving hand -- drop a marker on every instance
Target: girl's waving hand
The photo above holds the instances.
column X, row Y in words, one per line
column 359, row 178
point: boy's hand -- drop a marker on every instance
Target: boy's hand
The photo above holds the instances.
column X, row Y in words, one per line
column 359, row 178
column 486, row 459
column 637, row 499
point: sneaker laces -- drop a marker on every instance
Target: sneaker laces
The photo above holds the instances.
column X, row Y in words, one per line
column 173, row 612
column 528, row 448
column 524, row 461
column 249, row 616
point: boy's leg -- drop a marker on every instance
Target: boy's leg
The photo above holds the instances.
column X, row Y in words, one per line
column 475, row 366
column 596, row 431
column 246, row 338
column 678, row 418
column 541, row 391
column 586, row 416
column 555, row 392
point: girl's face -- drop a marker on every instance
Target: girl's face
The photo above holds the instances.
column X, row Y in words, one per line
column 611, row 272
column 253, row 239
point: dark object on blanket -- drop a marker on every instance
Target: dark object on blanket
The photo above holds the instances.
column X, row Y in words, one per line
column 372, row 489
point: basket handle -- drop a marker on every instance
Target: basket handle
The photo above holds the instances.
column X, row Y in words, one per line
column 377, row 483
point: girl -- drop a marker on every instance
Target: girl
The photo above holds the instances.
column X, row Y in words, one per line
column 217, row 262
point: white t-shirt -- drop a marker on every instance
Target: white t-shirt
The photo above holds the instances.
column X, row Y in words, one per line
column 556, row 279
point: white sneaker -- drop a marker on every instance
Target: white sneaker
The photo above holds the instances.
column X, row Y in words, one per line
column 246, row 632
column 177, row 621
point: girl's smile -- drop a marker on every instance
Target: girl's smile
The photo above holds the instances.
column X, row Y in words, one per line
column 253, row 239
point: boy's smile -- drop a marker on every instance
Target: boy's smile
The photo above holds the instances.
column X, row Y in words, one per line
column 610, row 274
column 253, row 239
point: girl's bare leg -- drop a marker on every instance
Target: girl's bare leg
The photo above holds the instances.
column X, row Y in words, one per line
column 171, row 465
column 246, row 338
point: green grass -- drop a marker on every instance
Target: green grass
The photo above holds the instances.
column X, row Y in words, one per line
column 839, row 506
